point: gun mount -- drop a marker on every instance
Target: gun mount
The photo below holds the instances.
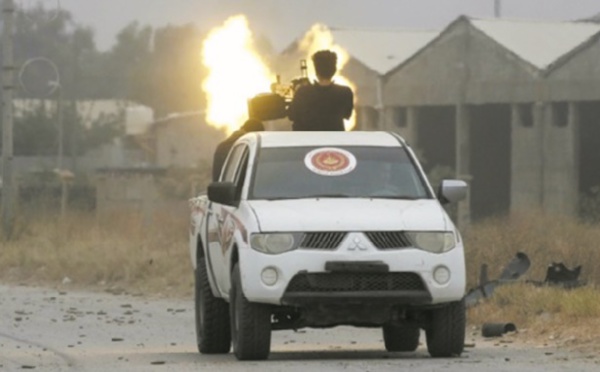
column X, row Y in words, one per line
column 274, row 105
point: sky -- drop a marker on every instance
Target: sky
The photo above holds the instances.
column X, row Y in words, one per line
column 282, row 21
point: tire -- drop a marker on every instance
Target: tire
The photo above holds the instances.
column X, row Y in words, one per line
column 446, row 331
column 212, row 316
column 401, row 338
column 250, row 323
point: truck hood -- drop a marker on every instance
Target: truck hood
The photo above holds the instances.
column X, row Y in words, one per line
column 350, row 215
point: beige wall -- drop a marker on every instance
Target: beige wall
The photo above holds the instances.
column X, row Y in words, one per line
column 578, row 79
column 185, row 142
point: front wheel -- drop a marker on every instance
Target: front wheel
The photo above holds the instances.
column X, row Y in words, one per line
column 212, row 316
column 250, row 323
column 446, row 331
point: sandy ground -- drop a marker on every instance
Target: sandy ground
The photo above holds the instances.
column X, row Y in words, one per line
column 52, row 330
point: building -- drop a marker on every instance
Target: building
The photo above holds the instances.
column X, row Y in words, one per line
column 510, row 106
column 132, row 117
column 182, row 141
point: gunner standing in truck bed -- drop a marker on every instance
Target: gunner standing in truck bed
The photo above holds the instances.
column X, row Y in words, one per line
column 322, row 106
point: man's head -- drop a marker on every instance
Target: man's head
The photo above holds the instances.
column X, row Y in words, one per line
column 325, row 62
column 253, row 125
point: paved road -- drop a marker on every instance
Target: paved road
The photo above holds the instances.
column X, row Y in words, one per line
column 48, row 330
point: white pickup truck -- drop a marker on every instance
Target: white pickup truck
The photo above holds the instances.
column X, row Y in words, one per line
column 320, row 229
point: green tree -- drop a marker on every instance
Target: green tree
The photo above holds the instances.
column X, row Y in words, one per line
column 161, row 68
column 129, row 58
column 169, row 79
column 65, row 42
column 85, row 73
column 36, row 132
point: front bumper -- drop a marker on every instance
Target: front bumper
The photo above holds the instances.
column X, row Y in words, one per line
column 301, row 263
column 356, row 287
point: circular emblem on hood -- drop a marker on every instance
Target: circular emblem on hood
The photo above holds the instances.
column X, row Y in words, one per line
column 330, row 161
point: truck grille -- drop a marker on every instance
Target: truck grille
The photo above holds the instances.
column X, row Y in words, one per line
column 389, row 239
column 322, row 240
column 355, row 282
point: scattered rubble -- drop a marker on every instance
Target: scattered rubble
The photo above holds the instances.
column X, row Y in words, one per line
column 557, row 274
column 511, row 273
column 497, row 329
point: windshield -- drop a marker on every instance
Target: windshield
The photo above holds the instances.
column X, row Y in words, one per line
column 309, row 172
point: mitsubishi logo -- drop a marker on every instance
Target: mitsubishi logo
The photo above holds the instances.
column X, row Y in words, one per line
column 357, row 245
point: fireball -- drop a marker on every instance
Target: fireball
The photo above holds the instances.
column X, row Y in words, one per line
column 235, row 73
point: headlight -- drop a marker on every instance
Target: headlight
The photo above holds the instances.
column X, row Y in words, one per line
column 434, row 242
column 273, row 243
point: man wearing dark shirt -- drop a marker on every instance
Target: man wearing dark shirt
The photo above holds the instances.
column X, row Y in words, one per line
column 322, row 106
column 223, row 148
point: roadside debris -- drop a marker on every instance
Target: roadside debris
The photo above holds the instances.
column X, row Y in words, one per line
column 557, row 274
column 511, row 273
column 497, row 329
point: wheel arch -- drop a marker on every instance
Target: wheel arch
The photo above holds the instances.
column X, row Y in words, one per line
column 235, row 257
column 199, row 248
column 196, row 250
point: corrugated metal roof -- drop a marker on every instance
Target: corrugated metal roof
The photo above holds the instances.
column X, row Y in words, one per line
column 382, row 51
column 595, row 19
column 539, row 43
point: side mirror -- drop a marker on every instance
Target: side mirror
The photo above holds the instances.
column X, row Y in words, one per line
column 452, row 191
column 222, row 193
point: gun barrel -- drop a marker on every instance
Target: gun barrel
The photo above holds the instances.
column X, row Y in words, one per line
column 303, row 68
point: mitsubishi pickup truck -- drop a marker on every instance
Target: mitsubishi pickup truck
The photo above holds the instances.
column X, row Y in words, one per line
column 322, row 229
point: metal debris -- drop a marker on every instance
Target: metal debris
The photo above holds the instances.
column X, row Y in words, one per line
column 558, row 274
column 497, row 329
column 512, row 272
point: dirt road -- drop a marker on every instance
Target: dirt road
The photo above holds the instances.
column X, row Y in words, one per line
column 51, row 330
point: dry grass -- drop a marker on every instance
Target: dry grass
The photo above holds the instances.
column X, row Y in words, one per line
column 128, row 249
column 544, row 238
column 137, row 253
column 548, row 315
column 150, row 255
column 543, row 314
column 529, row 305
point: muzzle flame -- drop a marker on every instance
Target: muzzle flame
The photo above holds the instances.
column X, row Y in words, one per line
column 236, row 73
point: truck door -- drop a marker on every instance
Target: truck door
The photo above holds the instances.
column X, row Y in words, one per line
column 216, row 220
column 230, row 219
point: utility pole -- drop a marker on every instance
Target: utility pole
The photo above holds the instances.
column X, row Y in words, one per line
column 8, row 192
column 61, row 134
column 497, row 8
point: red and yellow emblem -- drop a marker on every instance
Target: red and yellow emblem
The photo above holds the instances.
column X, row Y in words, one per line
column 330, row 161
